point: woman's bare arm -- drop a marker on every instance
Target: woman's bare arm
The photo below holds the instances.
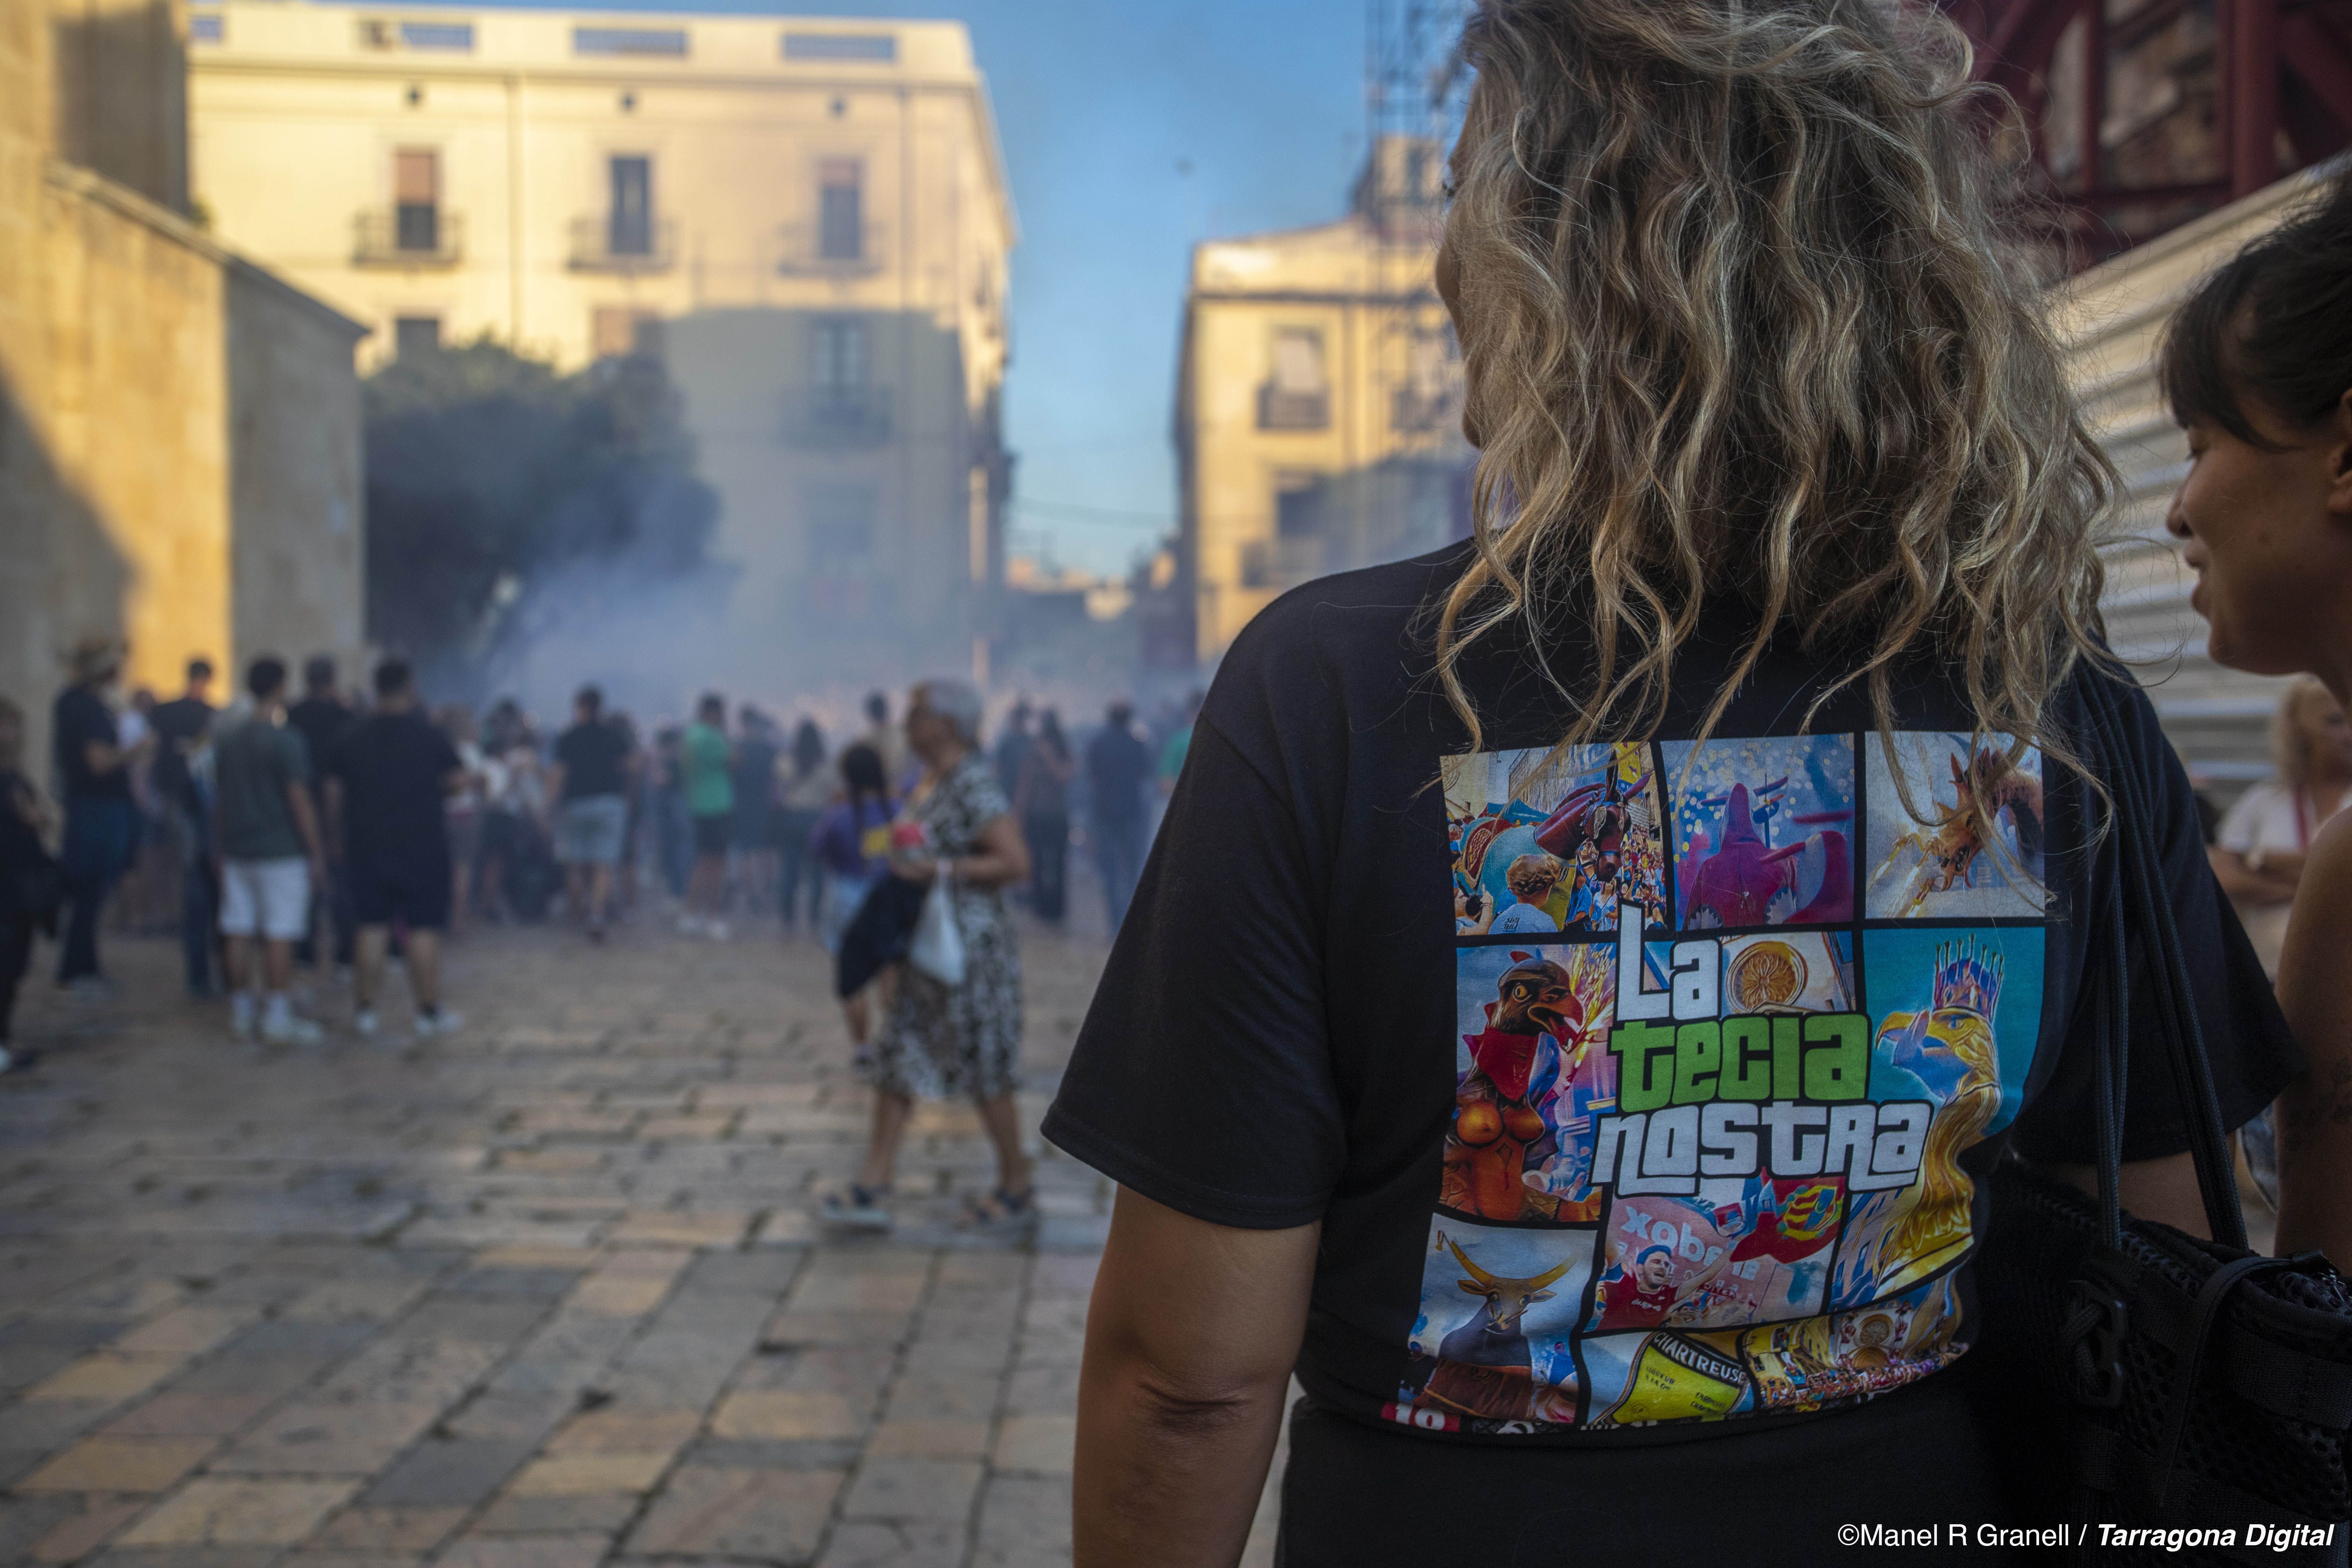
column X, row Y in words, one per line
column 1190, row 1343
column 2315, row 1114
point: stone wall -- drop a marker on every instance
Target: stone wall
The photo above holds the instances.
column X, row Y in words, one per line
column 298, row 552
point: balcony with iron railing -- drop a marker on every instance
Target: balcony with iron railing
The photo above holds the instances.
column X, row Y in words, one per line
column 411, row 233
column 606, row 244
column 831, row 250
column 841, row 418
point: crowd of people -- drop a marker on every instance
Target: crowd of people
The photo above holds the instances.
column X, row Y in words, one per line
column 341, row 830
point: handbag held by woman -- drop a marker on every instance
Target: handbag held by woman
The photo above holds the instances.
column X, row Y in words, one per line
column 937, row 949
column 2194, row 1397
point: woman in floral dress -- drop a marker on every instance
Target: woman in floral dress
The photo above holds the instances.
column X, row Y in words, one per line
column 939, row 1041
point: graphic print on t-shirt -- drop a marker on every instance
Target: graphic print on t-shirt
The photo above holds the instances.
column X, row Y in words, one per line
column 1704, row 1162
column 1935, row 867
column 1547, row 842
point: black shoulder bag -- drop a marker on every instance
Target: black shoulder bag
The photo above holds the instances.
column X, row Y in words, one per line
column 2156, row 1382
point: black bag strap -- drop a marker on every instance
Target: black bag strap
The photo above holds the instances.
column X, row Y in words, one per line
column 2179, row 1019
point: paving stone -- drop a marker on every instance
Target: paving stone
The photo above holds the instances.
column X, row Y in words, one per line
column 372, row 1529
column 770, row 1454
column 581, row 1475
column 1036, row 1445
column 285, row 1339
column 774, row 1413
column 609, row 1512
column 351, row 1560
column 119, row 1465
column 218, row 1510
column 454, row 1472
column 501, row 1414
column 924, row 1438
column 25, row 1520
column 190, row 1330
column 50, row 1423
column 323, row 1437
column 1024, row 1523
column 935, row 1489
column 110, row 1378
column 627, row 1432
column 866, row 1543
column 771, row 1516
column 77, row 1536
column 542, row 1551
column 185, row 1557
column 176, row 1414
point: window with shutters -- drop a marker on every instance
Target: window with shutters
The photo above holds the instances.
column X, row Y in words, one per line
column 416, row 199
column 630, row 225
column 838, row 370
column 841, row 210
column 1296, row 394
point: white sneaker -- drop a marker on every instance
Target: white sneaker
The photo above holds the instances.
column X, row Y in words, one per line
column 443, row 1023
column 243, row 1017
column 718, row 930
column 364, row 1025
column 291, row 1030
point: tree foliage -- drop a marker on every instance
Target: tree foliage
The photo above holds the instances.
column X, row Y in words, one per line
column 497, row 485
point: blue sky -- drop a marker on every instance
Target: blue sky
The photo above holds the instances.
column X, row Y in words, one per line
column 1098, row 104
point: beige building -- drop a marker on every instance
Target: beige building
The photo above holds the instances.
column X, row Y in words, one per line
column 179, row 429
column 2112, row 320
column 807, row 220
column 1319, row 401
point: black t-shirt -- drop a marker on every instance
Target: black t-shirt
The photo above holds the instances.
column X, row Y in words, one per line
column 1116, row 765
column 391, row 766
column 595, row 760
column 1382, row 978
column 80, row 717
column 178, row 725
column 323, row 720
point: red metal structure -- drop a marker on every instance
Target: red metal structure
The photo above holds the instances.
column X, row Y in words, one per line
column 2280, row 79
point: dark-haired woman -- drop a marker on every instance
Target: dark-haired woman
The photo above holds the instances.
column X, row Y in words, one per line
column 1644, row 1231
column 803, row 789
column 851, row 846
column 2258, row 366
column 1041, row 797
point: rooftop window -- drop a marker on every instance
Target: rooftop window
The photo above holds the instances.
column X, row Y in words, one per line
column 882, row 47
column 205, row 27
column 659, row 41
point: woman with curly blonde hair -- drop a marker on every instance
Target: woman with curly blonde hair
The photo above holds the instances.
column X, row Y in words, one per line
column 1783, row 588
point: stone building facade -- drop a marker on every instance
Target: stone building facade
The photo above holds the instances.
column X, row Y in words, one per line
column 179, row 429
column 1319, row 402
column 806, row 218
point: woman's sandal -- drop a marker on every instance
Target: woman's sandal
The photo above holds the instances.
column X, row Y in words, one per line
column 999, row 1208
column 857, row 1208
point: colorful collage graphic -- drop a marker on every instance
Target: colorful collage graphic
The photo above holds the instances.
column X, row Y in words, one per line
column 1727, row 1018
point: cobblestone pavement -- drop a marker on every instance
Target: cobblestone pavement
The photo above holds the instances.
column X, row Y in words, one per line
column 544, row 1295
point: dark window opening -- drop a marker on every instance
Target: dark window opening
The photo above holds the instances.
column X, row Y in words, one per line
column 630, row 228
column 841, row 210
column 416, row 335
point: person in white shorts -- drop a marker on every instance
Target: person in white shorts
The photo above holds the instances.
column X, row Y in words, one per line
column 270, row 857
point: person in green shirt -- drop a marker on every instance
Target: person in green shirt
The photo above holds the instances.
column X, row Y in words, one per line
column 708, row 759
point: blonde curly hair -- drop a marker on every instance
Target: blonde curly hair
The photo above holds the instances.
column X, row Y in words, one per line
column 1739, row 322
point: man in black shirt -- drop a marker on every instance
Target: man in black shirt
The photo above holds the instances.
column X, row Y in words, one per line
column 1116, row 765
column 183, row 728
column 322, row 717
column 386, row 781
column 590, row 786
column 94, row 777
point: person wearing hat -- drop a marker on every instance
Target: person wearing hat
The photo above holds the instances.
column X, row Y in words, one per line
column 94, row 775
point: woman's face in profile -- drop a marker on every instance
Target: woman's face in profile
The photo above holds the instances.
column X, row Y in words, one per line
column 2325, row 728
column 2269, row 534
